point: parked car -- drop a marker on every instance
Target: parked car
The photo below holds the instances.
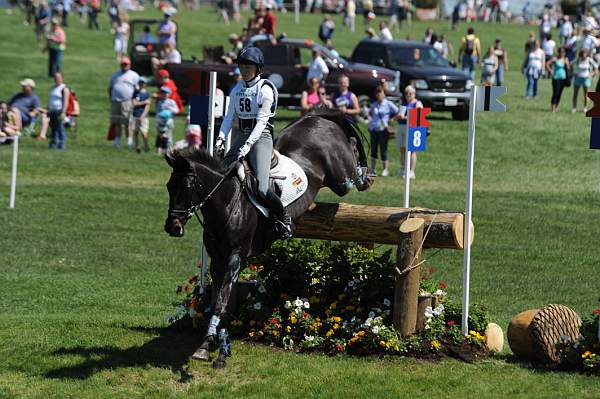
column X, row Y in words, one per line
column 286, row 65
column 438, row 84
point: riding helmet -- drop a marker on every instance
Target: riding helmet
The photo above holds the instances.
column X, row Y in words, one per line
column 251, row 55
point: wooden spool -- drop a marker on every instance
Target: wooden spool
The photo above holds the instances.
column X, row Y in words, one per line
column 533, row 334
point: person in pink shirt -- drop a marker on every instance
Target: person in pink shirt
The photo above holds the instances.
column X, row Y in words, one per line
column 57, row 43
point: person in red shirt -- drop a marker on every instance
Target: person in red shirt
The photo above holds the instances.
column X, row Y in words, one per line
column 165, row 80
column 270, row 21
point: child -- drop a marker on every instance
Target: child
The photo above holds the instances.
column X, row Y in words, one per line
column 165, row 109
column 8, row 126
column 193, row 136
column 489, row 65
column 138, row 123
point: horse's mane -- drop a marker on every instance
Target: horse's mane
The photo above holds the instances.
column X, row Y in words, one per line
column 201, row 156
column 339, row 118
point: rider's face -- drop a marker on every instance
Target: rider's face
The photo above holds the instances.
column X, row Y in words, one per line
column 248, row 71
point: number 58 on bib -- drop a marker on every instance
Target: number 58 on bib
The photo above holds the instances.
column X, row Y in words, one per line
column 417, row 138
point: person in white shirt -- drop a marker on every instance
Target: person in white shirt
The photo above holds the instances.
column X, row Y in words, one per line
column 385, row 33
column 566, row 28
column 57, row 112
column 317, row 68
column 548, row 46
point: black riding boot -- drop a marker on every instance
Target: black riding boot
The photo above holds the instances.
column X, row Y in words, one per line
column 283, row 222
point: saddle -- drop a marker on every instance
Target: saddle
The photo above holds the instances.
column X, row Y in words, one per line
column 286, row 179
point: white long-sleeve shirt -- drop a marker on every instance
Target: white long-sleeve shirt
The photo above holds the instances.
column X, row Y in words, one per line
column 256, row 101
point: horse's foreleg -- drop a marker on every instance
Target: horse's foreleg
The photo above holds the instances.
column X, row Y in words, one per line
column 230, row 277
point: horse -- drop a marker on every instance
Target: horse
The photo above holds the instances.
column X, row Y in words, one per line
column 325, row 145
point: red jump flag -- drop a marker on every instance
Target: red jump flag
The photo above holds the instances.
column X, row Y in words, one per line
column 418, row 117
column 594, row 113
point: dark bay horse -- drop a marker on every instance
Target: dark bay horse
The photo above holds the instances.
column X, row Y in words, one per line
column 324, row 144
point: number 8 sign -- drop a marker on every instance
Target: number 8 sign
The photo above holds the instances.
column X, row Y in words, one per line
column 417, row 138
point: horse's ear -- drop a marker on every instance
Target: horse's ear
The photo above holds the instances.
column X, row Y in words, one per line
column 170, row 158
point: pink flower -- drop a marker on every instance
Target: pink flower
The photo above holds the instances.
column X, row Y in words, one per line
column 597, row 311
column 451, row 322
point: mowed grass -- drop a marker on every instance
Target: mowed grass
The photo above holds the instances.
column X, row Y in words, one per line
column 88, row 275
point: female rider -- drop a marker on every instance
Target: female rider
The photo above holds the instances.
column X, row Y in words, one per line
column 254, row 101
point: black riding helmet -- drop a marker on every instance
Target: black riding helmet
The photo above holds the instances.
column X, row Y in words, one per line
column 252, row 56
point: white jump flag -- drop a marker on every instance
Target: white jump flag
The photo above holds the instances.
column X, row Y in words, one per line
column 483, row 98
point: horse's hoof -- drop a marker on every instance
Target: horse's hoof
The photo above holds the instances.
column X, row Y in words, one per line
column 201, row 354
column 218, row 364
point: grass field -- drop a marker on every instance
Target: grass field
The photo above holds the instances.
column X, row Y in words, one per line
column 88, row 275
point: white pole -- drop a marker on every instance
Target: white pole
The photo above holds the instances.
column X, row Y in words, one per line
column 468, row 210
column 297, row 11
column 228, row 139
column 210, row 137
column 407, row 155
column 13, row 180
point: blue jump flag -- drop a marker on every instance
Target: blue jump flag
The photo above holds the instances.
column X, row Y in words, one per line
column 594, row 113
column 417, row 130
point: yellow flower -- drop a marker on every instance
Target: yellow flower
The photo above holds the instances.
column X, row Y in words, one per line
column 586, row 355
column 382, row 344
column 435, row 344
column 333, row 305
column 329, row 333
column 275, row 333
column 336, row 319
column 336, row 326
column 293, row 319
column 251, row 334
column 288, row 329
column 396, row 348
column 260, row 333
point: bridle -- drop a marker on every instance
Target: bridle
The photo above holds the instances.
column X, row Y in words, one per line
column 197, row 189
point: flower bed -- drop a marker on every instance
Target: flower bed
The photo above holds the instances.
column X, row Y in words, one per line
column 584, row 354
column 337, row 298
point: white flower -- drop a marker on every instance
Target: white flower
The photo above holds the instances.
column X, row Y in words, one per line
column 288, row 304
column 428, row 312
column 371, row 314
column 257, row 306
column 367, row 322
column 439, row 310
column 440, row 293
column 192, row 312
column 378, row 319
column 309, row 338
column 387, row 302
column 262, row 289
column 306, row 305
column 353, row 319
column 375, row 330
column 298, row 303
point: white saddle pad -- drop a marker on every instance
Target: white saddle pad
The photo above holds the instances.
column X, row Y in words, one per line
column 290, row 178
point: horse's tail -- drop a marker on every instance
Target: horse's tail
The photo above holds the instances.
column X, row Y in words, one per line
column 350, row 129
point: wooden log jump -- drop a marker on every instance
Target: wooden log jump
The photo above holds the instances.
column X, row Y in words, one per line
column 379, row 224
column 411, row 229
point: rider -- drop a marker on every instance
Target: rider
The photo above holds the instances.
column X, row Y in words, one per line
column 254, row 101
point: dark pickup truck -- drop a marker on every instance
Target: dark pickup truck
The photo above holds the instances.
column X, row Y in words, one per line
column 286, row 66
column 438, row 84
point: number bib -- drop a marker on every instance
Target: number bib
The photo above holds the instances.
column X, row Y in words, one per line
column 247, row 100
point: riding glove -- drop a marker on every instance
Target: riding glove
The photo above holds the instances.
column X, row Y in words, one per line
column 220, row 145
column 243, row 151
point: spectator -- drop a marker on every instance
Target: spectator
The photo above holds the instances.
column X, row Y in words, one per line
column 167, row 30
column 504, row 11
column 558, row 68
column 255, row 23
column 585, row 69
column 566, row 29
column 371, row 34
column 368, row 13
column 332, row 50
column 42, row 21
column 138, row 124
column 410, row 102
column 314, row 97
column 317, row 67
column 326, row 30
column 536, row 61
column 168, row 55
column 455, row 15
column 470, row 51
column 120, row 90
column 382, row 112
column 193, row 136
column 346, row 101
column 351, row 15
column 545, row 27
column 447, row 49
column 166, row 81
column 236, row 46
column 269, row 21
column 25, row 106
column 548, row 46
column 65, row 12
column 58, row 100
column 589, row 22
column 502, row 55
column 530, row 44
column 385, row 33
column 147, row 37
column 165, row 109
column 489, row 66
column 437, row 44
column 571, row 46
column 8, row 126
column 57, row 43
column 93, row 11
column 394, row 11
column 121, row 35
column 589, row 40
column 428, row 36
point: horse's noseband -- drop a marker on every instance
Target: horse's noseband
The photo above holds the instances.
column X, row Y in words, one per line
column 197, row 188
